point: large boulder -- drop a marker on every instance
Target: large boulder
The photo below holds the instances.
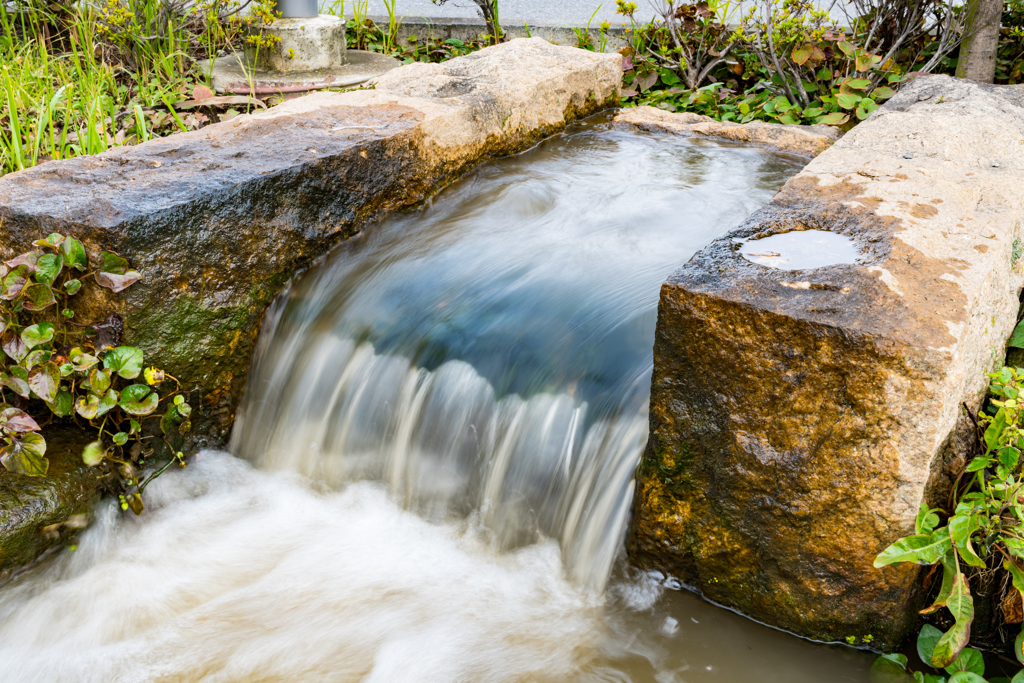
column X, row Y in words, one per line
column 219, row 219
column 800, row 417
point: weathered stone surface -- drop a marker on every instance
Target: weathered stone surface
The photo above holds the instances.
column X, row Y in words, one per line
column 799, row 418
column 217, row 220
column 304, row 44
column 37, row 513
column 807, row 141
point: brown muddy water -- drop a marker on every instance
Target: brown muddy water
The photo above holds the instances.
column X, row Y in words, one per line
column 432, row 469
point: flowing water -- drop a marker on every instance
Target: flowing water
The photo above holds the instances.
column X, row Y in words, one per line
column 434, row 458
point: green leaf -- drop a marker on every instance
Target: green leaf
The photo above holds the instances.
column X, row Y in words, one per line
column 969, row 660
column 966, row 677
column 994, row 429
column 48, row 268
column 99, row 380
column 44, row 381
column 889, row 668
column 926, row 641
column 978, row 463
column 53, row 240
column 949, row 571
column 82, row 360
column 66, row 369
column 126, row 361
column 919, row 548
column 802, row 53
column 37, row 357
column 883, row 93
column 823, row 74
column 64, row 405
column 1019, row 678
column 834, row 119
column 92, row 405
column 138, row 399
column 72, row 286
column 848, row 100
column 846, row 47
column 121, row 438
column 926, row 520
column 74, row 254
column 93, row 454
column 866, row 61
column 25, row 455
column 38, row 297
column 1018, row 646
column 170, row 420
column 961, row 605
column 34, row 335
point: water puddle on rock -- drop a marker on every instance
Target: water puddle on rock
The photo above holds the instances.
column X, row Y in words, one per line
column 801, row 249
column 432, row 467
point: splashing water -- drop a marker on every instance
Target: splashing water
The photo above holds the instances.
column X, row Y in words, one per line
column 441, row 427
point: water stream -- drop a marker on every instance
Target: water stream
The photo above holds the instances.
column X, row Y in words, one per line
column 434, row 458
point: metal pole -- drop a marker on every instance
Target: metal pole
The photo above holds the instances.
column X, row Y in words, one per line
column 297, row 9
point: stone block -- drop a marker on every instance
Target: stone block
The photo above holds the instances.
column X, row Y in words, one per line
column 800, row 417
column 306, row 44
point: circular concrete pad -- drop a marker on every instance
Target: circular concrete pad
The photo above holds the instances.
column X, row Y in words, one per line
column 231, row 75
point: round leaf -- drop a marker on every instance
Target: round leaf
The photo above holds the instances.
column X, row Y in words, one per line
column 120, row 438
column 64, row 405
column 48, row 268
column 14, row 283
column 92, row 454
column 18, row 385
column 44, row 381
column 802, row 53
column 74, row 254
column 138, row 399
column 834, row 119
column 926, row 641
column 82, row 360
column 34, row 335
column 38, row 297
column 99, row 381
column 126, row 361
column 92, row 406
column 72, row 286
column 14, row 346
column 25, row 455
column 14, row 420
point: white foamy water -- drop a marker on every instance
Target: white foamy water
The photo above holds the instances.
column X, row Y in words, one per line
column 239, row 575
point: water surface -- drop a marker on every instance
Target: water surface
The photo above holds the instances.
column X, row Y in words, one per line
column 436, row 453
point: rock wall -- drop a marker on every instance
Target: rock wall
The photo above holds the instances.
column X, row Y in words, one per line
column 799, row 418
column 805, row 141
column 218, row 220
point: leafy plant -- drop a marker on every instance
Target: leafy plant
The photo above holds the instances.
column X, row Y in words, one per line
column 968, row 667
column 489, row 12
column 985, row 530
column 56, row 367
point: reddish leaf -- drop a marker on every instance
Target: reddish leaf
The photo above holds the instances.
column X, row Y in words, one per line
column 14, row 346
column 14, row 420
column 117, row 281
column 44, row 381
column 28, row 259
column 14, row 283
column 201, row 92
